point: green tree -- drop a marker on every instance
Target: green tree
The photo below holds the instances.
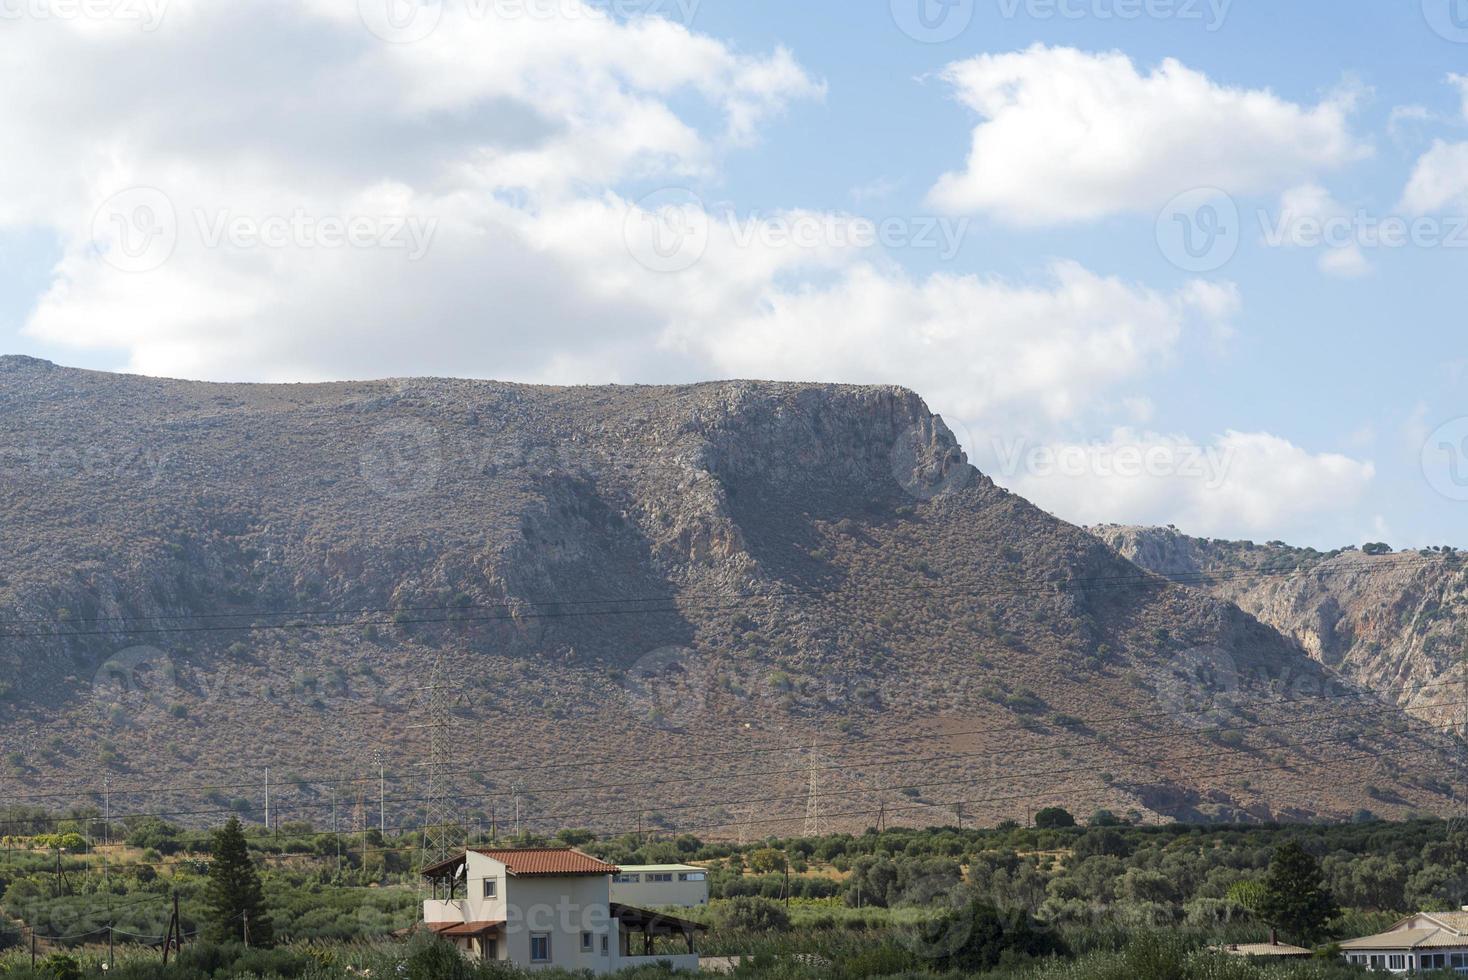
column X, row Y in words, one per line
column 1054, row 818
column 767, row 860
column 234, row 896
column 1295, row 900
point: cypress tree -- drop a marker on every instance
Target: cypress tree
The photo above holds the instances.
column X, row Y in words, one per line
column 234, row 896
column 1295, row 900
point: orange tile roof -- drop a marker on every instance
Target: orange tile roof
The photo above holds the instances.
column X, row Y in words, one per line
column 548, row 861
column 462, row 929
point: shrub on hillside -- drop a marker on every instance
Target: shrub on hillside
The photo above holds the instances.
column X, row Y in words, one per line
column 749, row 914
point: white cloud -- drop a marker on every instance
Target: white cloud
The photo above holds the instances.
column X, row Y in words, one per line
column 1070, row 136
column 1241, row 484
column 980, row 349
column 1440, row 179
column 1304, row 214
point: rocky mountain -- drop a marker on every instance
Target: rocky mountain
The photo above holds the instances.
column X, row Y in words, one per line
column 1393, row 623
column 690, row 608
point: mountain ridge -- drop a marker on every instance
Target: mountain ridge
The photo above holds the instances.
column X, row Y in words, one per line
column 256, row 575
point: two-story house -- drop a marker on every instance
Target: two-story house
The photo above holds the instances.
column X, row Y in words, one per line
column 661, row 885
column 549, row 907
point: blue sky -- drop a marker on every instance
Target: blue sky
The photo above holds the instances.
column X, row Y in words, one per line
column 500, row 168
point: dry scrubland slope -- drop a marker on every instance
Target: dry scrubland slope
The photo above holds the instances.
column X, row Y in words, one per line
column 1394, row 623
column 658, row 586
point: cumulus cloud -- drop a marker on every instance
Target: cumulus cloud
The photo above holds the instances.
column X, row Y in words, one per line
column 1310, row 217
column 1439, row 180
column 1071, row 136
column 981, row 348
column 473, row 204
column 1241, row 484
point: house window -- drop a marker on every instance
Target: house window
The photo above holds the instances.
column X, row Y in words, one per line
column 586, row 942
column 1459, row 960
column 692, row 876
column 490, row 949
column 491, row 887
column 540, row 950
column 604, row 946
column 1396, row 962
column 628, row 879
column 660, row 877
column 1433, row 961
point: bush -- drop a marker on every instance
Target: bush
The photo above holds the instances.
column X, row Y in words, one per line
column 749, row 914
column 1054, row 818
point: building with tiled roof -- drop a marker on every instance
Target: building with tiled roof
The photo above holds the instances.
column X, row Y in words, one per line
column 546, row 907
column 1419, row 943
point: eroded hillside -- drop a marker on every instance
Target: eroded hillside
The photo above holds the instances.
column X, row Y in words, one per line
column 648, row 604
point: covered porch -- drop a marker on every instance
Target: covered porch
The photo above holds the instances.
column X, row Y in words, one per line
column 479, row 940
column 644, row 933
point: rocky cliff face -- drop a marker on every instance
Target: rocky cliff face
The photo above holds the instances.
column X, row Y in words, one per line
column 1395, row 623
column 647, row 602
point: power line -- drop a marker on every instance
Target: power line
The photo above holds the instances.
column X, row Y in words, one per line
column 679, row 604
column 1410, row 729
column 747, row 752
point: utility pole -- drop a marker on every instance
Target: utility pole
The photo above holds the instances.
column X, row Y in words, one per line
column 267, row 798
column 438, row 813
column 812, row 801
column 381, row 794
